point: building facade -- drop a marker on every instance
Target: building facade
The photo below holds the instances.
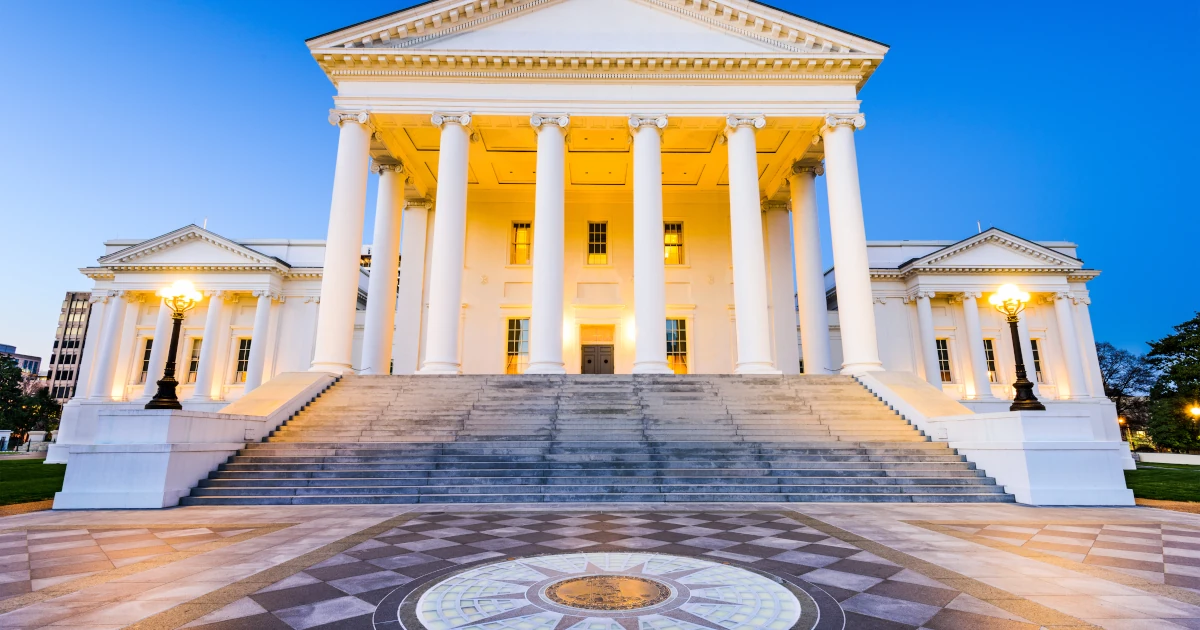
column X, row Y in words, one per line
column 28, row 363
column 63, row 371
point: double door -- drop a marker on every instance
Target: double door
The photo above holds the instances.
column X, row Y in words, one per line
column 597, row 359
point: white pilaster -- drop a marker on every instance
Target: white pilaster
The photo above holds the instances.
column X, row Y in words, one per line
column 546, row 320
column 110, row 344
column 852, row 271
column 209, row 348
column 783, row 287
column 258, row 340
column 810, row 277
column 749, row 263
column 979, row 373
column 449, row 240
column 380, row 326
column 1077, row 386
column 1087, row 347
column 928, row 338
column 649, row 271
column 333, row 347
column 158, row 351
column 410, row 303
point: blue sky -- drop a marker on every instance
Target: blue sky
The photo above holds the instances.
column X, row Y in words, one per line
column 1052, row 120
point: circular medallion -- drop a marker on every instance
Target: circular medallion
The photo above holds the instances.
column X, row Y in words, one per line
column 608, row 592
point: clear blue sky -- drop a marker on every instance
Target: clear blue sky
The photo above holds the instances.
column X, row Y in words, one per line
column 1052, row 120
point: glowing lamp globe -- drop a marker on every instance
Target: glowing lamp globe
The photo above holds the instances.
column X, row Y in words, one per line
column 1009, row 299
column 181, row 296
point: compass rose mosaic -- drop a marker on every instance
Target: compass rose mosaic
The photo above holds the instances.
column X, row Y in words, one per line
column 605, row 591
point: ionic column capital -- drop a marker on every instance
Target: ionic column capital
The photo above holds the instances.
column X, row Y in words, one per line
column 420, row 203
column 440, row 120
column 799, row 168
column 735, row 122
column 974, row 295
column 537, row 121
column 1063, row 295
column 658, row 122
column 270, row 294
column 768, row 206
column 833, row 121
column 387, row 167
column 922, row 294
column 338, row 118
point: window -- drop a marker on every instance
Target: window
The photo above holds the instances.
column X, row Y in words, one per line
column 517, row 356
column 146, row 361
column 194, row 361
column 943, row 356
column 522, row 243
column 673, row 243
column 1037, row 361
column 677, row 345
column 597, row 243
column 243, row 361
column 989, row 355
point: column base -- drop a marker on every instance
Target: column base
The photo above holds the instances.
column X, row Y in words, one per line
column 652, row 367
column 757, row 368
column 332, row 368
column 439, row 369
column 859, row 368
column 546, row 367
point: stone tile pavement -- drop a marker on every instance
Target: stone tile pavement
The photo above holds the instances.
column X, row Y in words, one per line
column 886, row 566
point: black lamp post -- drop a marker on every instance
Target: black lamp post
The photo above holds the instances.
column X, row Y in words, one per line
column 1010, row 301
column 181, row 297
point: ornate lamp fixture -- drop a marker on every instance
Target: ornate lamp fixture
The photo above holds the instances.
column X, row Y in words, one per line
column 1010, row 301
column 181, row 297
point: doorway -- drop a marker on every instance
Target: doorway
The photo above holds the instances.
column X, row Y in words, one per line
column 597, row 349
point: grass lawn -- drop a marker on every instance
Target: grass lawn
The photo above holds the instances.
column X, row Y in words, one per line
column 24, row 480
column 1165, row 482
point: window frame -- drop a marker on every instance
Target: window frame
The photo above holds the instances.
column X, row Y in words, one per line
column 989, row 360
column 1035, row 361
column 681, row 245
column 517, row 366
column 513, row 244
column 587, row 258
column 193, row 360
column 241, row 360
column 681, row 345
column 944, row 359
column 147, row 349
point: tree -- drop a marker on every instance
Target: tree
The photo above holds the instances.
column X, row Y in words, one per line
column 1127, row 376
column 11, row 396
column 1176, row 358
column 42, row 411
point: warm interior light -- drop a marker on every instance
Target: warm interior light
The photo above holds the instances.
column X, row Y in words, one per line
column 1121, row 420
column 1195, row 411
column 1009, row 299
column 181, row 296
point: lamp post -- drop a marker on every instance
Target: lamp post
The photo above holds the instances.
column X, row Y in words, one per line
column 181, row 297
column 1010, row 301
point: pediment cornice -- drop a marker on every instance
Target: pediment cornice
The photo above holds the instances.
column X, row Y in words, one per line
column 1038, row 257
column 139, row 257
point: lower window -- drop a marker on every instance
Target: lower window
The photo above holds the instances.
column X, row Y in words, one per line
column 193, row 361
column 146, row 361
column 989, row 354
column 517, row 353
column 943, row 356
column 677, row 345
column 243, row 361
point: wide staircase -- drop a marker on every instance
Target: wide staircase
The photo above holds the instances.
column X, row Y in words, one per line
column 532, row 439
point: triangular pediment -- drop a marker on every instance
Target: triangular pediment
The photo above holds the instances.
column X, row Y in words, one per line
column 191, row 246
column 598, row 26
column 995, row 249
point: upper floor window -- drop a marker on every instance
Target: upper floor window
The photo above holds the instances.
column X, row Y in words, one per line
column 517, row 352
column 597, row 243
column 677, row 345
column 521, row 249
column 243, row 361
column 145, row 372
column 1037, row 361
column 989, row 355
column 194, row 360
column 943, row 357
column 673, row 243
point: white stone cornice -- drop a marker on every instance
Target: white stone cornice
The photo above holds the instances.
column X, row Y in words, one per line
column 338, row 118
column 561, row 120
column 440, row 119
column 853, row 121
column 658, row 122
column 817, row 169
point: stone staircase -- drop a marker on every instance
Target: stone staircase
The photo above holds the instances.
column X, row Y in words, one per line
column 530, row 439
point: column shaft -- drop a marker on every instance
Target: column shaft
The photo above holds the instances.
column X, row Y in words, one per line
column 410, row 305
column 1087, row 348
column 380, row 326
column 1077, row 383
column 810, row 276
column 449, row 241
column 110, row 345
column 783, row 288
column 158, row 351
column 933, row 373
column 91, row 339
column 209, row 347
column 333, row 347
column 546, row 323
column 259, row 338
column 979, row 373
column 852, row 270
column 649, row 272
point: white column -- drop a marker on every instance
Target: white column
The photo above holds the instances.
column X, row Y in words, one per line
column 851, row 269
column 158, row 351
column 649, row 267
column 259, row 337
column 546, row 320
column 749, row 267
column 110, row 346
column 91, row 339
column 410, row 303
column 1087, row 347
column 783, row 287
column 380, row 327
column 928, row 338
column 1077, row 386
column 979, row 373
column 209, row 348
column 1027, row 354
column 333, row 347
column 810, row 276
column 449, row 240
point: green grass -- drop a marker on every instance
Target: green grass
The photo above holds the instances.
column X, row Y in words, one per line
column 25, row 480
column 1165, row 482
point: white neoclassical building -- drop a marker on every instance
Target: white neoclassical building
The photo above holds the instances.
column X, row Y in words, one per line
column 594, row 186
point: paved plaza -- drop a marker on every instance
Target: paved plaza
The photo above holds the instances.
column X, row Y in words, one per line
column 825, row 565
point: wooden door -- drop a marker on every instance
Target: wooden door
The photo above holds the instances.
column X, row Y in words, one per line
column 597, row 359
